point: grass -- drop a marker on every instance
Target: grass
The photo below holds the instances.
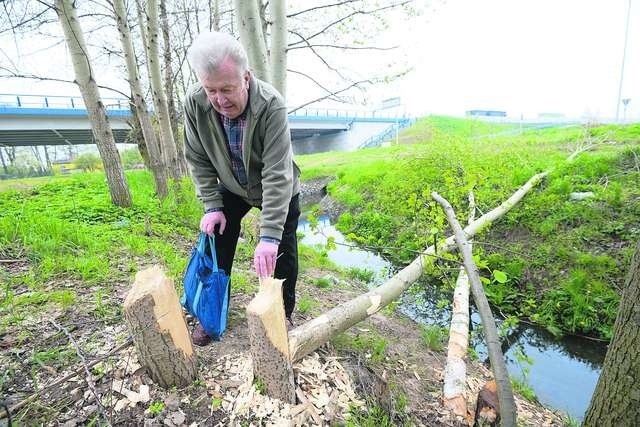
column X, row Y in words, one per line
column 434, row 337
column 306, row 305
column 545, row 245
column 66, row 231
column 521, row 387
column 371, row 345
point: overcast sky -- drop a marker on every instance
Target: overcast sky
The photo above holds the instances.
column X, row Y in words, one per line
column 521, row 56
column 524, row 56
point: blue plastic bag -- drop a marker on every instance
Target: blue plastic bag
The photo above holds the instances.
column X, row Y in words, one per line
column 206, row 288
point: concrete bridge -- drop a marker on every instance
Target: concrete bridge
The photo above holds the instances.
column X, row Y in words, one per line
column 29, row 120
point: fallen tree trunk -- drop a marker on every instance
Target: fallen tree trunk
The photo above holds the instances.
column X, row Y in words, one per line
column 455, row 371
column 505, row 394
column 311, row 335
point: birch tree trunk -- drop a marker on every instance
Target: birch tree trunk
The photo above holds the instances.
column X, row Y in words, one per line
column 85, row 80
column 214, row 15
column 307, row 337
column 278, row 52
column 616, row 400
column 251, row 36
column 169, row 150
column 4, row 164
column 155, row 157
column 455, row 371
column 169, row 88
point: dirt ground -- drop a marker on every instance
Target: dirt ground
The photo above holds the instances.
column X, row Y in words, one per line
column 406, row 383
column 69, row 367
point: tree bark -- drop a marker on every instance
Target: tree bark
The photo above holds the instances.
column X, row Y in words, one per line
column 616, row 400
column 169, row 150
column 307, row 337
column 169, row 87
column 214, row 15
column 278, row 51
column 85, row 80
column 160, row 335
column 455, row 371
column 251, row 36
column 269, row 344
column 508, row 414
column 4, row 165
column 155, row 157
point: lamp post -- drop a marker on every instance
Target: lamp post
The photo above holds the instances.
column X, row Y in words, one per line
column 625, row 102
column 624, row 53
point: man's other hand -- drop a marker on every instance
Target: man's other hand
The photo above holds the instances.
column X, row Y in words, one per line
column 210, row 220
column 264, row 259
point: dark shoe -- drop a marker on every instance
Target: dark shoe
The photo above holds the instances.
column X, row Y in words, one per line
column 289, row 323
column 200, row 337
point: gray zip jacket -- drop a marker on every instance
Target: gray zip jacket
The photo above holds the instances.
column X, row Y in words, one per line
column 272, row 176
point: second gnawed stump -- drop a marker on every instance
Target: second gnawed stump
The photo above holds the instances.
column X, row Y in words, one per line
column 270, row 342
column 159, row 331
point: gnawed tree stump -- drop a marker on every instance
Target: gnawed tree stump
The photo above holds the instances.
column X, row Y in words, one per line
column 269, row 341
column 159, row 331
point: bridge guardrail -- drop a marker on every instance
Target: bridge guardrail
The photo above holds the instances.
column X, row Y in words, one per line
column 57, row 102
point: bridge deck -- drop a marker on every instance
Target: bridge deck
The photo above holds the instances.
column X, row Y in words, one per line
column 27, row 120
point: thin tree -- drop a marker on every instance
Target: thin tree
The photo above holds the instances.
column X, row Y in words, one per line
column 169, row 86
column 252, row 37
column 169, row 150
column 155, row 157
column 616, row 400
column 278, row 52
column 85, row 79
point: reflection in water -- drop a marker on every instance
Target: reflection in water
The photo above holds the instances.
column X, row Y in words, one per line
column 344, row 256
column 563, row 374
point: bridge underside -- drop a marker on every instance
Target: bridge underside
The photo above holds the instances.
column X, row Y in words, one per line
column 25, row 138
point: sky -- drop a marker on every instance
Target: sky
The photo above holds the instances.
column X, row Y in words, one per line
column 525, row 57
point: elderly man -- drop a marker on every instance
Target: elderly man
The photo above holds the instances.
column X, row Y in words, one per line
column 238, row 147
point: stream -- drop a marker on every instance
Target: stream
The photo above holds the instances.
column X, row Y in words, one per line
column 562, row 372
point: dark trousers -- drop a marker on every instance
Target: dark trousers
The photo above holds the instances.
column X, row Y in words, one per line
column 287, row 263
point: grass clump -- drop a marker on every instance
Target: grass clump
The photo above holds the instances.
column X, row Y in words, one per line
column 434, row 337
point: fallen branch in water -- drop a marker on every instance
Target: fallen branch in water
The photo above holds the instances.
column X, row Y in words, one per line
column 455, row 371
column 505, row 393
column 307, row 337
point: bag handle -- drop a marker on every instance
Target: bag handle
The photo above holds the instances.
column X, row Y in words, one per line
column 202, row 245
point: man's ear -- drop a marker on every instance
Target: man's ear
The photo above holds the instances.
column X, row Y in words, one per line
column 247, row 77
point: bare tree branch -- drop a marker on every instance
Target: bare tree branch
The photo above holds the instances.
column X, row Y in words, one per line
column 317, row 54
column 322, row 98
column 321, row 7
column 354, row 13
column 342, row 47
column 317, row 83
column 13, row 74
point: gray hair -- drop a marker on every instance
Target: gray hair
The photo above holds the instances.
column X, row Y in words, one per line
column 210, row 49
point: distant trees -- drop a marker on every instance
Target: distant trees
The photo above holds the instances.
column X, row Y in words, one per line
column 616, row 400
column 88, row 162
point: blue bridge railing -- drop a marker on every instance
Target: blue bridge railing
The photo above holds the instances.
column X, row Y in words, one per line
column 57, row 102
column 15, row 102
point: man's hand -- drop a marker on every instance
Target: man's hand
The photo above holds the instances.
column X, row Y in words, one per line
column 210, row 220
column 264, row 259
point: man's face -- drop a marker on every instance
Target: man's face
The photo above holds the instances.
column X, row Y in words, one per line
column 227, row 89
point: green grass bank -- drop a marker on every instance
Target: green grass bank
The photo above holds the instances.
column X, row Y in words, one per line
column 551, row 260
